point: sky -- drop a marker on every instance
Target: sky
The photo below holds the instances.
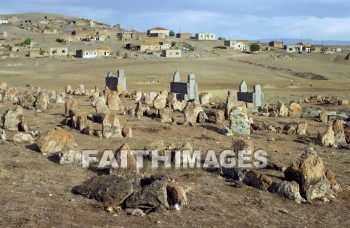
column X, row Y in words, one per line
column 234, row 19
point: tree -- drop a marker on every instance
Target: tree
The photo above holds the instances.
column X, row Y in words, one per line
column 173, row 43
column 254, row 47
column 171, row 33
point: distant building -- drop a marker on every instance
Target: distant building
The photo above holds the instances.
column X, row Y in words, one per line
column 184, row 35
column 205, row 36
column 242, row 45
column 276, row 44
column 294, row 48
column 58, row 51
column 4, row 21
column 93, row 53
column 171, row 53
column 158, row 32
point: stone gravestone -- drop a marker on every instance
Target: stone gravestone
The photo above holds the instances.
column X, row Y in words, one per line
column 112, row 82
column 243, row 87
column 184, row 90
column 255, row 98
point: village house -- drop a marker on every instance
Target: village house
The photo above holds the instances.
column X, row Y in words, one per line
column 58, row 51
column 83, row 34
column 149, row 45
column 2, row 21
column 131, row 35
column 158, row 32
column 184, row 35
column 294, row 48
column 171, row 53
column 242, row 45
column 276, row 44
column 205, row 36
column 12, row 19
column 93, row 53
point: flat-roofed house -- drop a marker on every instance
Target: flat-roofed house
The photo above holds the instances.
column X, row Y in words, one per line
column 158, row 32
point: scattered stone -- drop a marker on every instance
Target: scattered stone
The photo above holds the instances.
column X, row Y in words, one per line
column 131, row 111
column 176, row 194
column 290, row 190
column 191, row 112
column 22, row 126
column 301, row 128
column 23, row 138
column 231, row 101
column 257, row 180
column 165, row 115
column 2, row 135
column 111, row 127
column 131, row 168
column 309, row 173
column 12, row 118
column 111, row 190
column 138, row 95
column 326, row 137
column 70, row 154
column 294, row 110
column 114, row 102
column 139, row 110
column 282, row 110
column 69, row 89
column 101, row 106
column 127, row 131
column 311, row 114
column 55, row 140
column 339, row 134
column 160, row 101
column 202, row 117
column 239, row 122
column 205, row 98
column 71, row 104
column 135, row 212
column 42, row 102
column 335, row 186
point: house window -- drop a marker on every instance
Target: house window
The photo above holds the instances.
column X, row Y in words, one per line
column 63, row 51
column 177, row 53
column 86, row 53
column 212, row 36
column 95, row 53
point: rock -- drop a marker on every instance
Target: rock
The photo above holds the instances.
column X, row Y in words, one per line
column 160, row 101
column 27, row 100
column 70, row 154
column 69, row 89
column 301, row 128
column 309, row 173
column 294, row 110
column 151, row 197
column 135, row 212
column 111, row 190
column 344, row 102
column 147, row 99
column 324, row 117
column 138, row 95
column 111, row 127
column 339, row 134
column 70, row 104
column 98, row 133
column 2, row 135
column 205, row 98
column 202, row 117
column 290, row 190
column 176, row 194
column 216, row 116
column 343, row 116
column 127, row 132
column 12, row 118
column 114, row 102
column 191, row 112
column 23, row 138
column 257, row 180
column 131, row 111
column 22, row 126
column 82, row 90
column 311, row 114
column 52, row 96
column 3, row 86
column 89, row 130
column 139, row 110
column 131, row 169
column 55, row 140
column 282, row 110
column 326, row 137
column 347, row 134
column 165, row 115
column 42, row 102
column 335, row 186
column 231, row 101
column 101, row 106
column 239, row 122
column 240, row 144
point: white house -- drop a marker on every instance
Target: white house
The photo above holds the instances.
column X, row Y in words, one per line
column 87, row 53
column 237, row 44
column 158, row 32
column 292, row 48
column 4, row 21
column 205, row 36
column 171, row 53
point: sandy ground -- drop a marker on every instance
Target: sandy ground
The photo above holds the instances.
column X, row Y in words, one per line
column 37, row 192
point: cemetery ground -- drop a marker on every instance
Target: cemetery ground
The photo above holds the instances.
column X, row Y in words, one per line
column 38, row 191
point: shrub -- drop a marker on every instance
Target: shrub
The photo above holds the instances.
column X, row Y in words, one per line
column 171, row 33
column 254, row 47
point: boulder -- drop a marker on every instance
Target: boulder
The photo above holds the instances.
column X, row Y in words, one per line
column 3, row 86
column 101, row 106
column 111, row 127
column 127, row 132
column 23, row 138
column 240, row 144
column 111, row 190
column 191, row 112
column 231, row 101
column 12, row 118
column 160, row 101
column 70, row 104
column 205, row 98
column 326, row 137
column 137, row 95
column 202, row 117
column 309, row 173
column 55, row 140
column 301, row 128
column 335, row 186
column 42, row 102
column 114, row 102
column 311, row 114
column 339, row 133
column 290, row 190
column 139, row 110
column 2, row 135
column 69, row 89
column 124, row 154
column 23, row 127
column 258, row 180
column 165, row 115
column 70, row 154
column 81, row 89
column 26, row 100
column 282, row 110
column 239, row 122
column 294, row 110
column 324, row 117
